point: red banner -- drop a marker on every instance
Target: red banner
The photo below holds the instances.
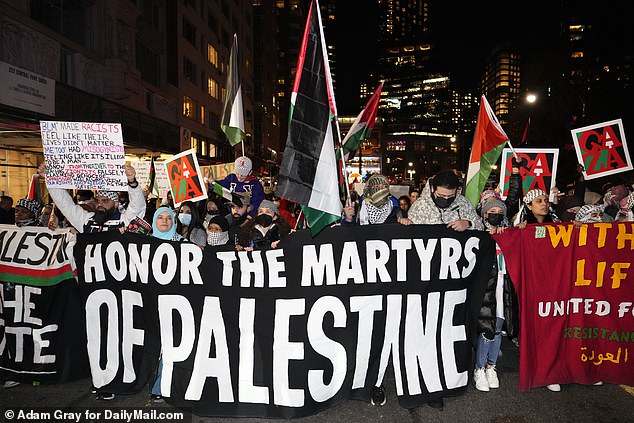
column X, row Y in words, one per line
column 575, row 289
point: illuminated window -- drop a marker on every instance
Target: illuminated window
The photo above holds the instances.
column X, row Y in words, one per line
column 212, row 55
column 189, row 107
column 203, row 117
column 212, row 150
column 577, row 54
column 203, row 148
column 193, row 143
column 212, row 88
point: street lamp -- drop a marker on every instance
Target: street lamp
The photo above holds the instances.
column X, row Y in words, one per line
column 531, row 98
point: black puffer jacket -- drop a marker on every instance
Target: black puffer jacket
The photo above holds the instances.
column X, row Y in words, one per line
column 486, row 320
column 249, row 235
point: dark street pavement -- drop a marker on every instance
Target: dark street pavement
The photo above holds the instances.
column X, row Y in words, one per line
column 575, row 403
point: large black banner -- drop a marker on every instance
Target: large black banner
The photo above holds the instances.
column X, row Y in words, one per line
column 42, row 331
column 285, row 332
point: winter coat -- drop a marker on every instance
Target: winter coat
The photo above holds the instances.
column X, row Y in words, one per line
column 424, row 211
column 487, row 317
column 250, row 235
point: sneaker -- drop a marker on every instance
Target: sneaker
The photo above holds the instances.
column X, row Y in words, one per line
column 492, row 377
column 377, row 396
column 555, row 387
column 105, row 396
column 480, row 379
column 93, row 390
column 10, row 384
column 156, row 398
column 599, row 383
column 437, row 404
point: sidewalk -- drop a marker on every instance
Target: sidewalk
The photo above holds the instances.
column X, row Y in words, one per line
column 575, row 403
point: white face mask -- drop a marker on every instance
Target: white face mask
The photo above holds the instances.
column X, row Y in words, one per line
column 217, row 238
column 185, row 218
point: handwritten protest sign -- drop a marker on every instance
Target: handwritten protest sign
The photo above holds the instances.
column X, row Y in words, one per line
column 84, row 155
column 185, row 178
column 142, row 168
column 538, row 168
column 219, row 171
column 602, row 149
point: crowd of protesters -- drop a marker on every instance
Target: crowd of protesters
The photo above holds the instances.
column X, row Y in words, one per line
column 255, row 220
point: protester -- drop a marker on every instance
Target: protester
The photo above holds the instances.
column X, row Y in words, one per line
column 592, row 213
column 241, row 182
column 413, row 195
column 499, row 306
column 163, row 227
column 238, row 217
column 214, row 207
column 7, row 213
column 265, row 231
column 217, row 231
column 189, row 225
column 377, row 205
column 403, row 205
column 440, row 203
column 27, row 212
column 536, row 209
column 106, row 215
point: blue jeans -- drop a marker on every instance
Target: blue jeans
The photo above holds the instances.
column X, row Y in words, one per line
column 156, row 388
column 487, row 350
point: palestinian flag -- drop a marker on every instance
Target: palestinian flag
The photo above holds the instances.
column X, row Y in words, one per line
column 488, row 141
column 232, row 123
column 152, row 185
column 362, row 127
column 222, row 191
column 35, row 193
column 308, row 173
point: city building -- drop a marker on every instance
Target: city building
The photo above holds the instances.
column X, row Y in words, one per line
column 157, row 67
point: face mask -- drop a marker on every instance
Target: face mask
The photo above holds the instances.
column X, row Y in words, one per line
column 217, row 238
column 185, row 218
column 264, row 220
column 441, row 202
column 495, row 219
column 212, row 213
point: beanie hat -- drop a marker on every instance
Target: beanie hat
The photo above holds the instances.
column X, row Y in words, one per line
column 487, row 194
column 533, row 194
column 266, row 204
column 220, row 221
column 108, row 194
column 377, row 190
column 33, row 206
column 243, row 166
column 493, row 202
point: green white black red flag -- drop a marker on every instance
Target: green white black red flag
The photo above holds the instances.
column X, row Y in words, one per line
column 308, row 173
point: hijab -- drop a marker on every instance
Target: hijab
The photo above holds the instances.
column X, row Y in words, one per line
column 169, row 235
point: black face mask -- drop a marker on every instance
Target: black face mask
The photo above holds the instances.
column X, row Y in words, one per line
column 441, row 202
column 212, row 213
column 264, row 220
column 495, row 219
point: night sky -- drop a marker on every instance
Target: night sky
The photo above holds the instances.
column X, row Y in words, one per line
column 464, row 35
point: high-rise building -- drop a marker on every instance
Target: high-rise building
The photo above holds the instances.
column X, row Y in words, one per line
column 267, row 117
column 416, row 104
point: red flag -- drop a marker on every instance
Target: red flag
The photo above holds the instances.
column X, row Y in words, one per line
column 34, row 189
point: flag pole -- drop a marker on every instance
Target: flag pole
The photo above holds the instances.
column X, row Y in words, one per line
column 344, row 172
